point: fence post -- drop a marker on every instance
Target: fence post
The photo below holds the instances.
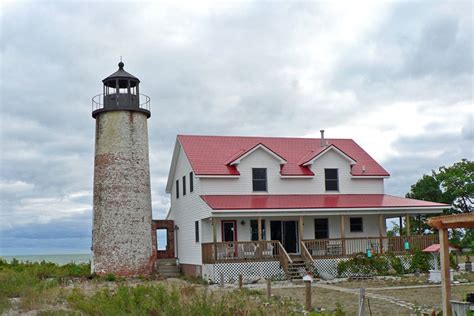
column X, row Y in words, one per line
column 361, row 301
column 308, row 295
column 269, row 288
column 222, row 279
column 240, row 281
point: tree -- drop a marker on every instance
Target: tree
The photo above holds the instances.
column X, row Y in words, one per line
column 458, row 182
column 452, row 185
column 428, row 188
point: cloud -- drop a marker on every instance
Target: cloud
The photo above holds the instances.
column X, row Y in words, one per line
column 396, row 77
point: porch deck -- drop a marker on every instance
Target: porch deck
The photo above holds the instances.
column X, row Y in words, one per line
column 310, row 250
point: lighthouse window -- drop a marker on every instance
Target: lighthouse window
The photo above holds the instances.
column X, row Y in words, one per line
column 184, row 185
column 177, row 189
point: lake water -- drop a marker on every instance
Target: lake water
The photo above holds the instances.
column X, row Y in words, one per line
column 59, row 259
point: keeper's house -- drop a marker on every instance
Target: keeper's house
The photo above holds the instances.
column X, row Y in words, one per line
column 269, row 207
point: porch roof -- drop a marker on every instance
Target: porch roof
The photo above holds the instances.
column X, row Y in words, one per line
column 316, row 202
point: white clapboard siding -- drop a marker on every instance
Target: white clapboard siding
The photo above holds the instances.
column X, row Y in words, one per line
column 185, row 211
column 278, row 185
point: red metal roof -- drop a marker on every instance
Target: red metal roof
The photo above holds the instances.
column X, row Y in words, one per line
column 210, row 155
column 312, row 201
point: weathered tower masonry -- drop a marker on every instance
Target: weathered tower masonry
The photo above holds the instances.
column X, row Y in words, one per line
column 122, row 228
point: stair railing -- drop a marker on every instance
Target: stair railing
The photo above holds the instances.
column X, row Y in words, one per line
column 308, row 259
column 283, row 257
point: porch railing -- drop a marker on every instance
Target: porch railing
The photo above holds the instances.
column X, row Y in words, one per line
column 337, row 247
column 244, row 251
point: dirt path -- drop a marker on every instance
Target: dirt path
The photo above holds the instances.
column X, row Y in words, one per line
column 386, row 298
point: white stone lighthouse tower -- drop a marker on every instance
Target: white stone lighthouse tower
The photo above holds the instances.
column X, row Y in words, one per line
column 121, row 234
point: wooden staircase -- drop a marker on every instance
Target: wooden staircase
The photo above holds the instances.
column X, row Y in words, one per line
column 296, row 268
column 167, row 268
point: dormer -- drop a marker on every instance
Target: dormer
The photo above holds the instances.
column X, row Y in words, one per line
column 242, row 154
column 310, row 159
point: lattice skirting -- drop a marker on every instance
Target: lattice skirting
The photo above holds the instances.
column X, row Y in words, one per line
column 329, row 266
column 250, row 271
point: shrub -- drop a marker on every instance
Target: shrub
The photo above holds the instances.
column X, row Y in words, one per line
column 360, row 264
column 420, row 261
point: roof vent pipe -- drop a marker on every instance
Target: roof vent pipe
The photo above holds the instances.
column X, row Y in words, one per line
column 323, row 143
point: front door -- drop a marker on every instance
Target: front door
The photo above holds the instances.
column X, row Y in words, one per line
column 229, row 231
column 287, row 233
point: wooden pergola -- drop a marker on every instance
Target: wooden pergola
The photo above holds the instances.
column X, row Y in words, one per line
column 443, row 223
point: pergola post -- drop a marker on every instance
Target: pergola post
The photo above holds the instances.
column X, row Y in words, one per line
column 445, row 277
column 442, row 223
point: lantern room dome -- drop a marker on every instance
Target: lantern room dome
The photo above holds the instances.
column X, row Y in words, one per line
column 121, row 74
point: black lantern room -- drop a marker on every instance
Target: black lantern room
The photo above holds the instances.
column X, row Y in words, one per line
column 120, row 93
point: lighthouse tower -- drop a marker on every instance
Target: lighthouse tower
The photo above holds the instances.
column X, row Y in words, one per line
column 121, row 234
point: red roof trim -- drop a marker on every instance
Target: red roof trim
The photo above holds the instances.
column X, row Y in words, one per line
column 314, row 201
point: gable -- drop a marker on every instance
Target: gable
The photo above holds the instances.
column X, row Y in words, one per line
column 330, row 148
column 242, row 154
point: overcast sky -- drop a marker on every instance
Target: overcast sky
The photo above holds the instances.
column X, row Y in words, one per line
column 397, row 77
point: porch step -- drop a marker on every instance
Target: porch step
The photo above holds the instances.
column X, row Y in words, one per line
column 167, row 268
column 296, row 268
column 166, row 262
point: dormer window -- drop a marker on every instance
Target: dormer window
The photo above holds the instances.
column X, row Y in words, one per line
column 331, row 179
column 259, row 179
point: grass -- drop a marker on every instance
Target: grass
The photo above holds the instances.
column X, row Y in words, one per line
column 48, row 289
column 35, row 283
column 186, row 300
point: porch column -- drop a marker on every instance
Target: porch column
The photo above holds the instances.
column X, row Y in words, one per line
column 343, row 234
column 381, row 229
column 301, row 230
column 408, row 224
column 401, row 225
column 445, row 277
column 214, row 228
column 259, row 220
column 214, row 237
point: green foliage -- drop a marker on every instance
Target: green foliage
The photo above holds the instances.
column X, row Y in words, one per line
column 458, row 182
column 396, row 263
column 158, row 300
column 452, row 185
column 360, row 264
column 110, row 277
column 31, row 280
column 420, row 261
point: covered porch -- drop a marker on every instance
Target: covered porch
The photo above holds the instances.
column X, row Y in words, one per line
column 311, row 237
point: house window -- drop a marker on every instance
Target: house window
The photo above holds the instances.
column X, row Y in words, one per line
column 191, row 182
column 259, row 179
column 184, row 185
column 356, row 224
column 254, row 229
column 177, row 189
column 196, row 230
column 332, row 182
column 321, row 228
